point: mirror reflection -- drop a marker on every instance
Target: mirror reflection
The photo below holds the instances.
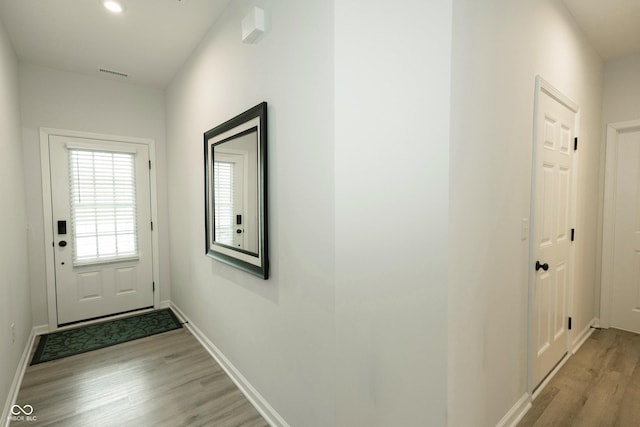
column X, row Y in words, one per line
column 235, row 182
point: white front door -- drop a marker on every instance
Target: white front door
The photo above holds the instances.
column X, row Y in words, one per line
column 100, row 194
column 555, row 125
column 626, row 257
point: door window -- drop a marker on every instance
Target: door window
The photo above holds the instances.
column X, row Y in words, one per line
column 103, row 206
column 223, row 203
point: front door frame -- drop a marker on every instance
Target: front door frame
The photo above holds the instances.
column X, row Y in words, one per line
column 609, row 216
column 542, row 85
column 50, row 276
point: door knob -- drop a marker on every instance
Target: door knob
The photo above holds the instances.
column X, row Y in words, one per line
column 544, row 266
column 62, row 243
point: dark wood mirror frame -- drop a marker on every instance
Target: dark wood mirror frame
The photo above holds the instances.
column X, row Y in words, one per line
column 255, row 259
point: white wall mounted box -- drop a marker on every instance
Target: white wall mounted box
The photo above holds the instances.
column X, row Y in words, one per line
column 253, row 26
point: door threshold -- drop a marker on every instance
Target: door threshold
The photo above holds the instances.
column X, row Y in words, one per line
column 99, row 319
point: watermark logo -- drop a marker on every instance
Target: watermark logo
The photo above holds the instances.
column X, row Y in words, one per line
column 21, row 410
column 22, row 413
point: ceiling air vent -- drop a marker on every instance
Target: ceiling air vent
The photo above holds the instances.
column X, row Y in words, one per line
column 114, row 73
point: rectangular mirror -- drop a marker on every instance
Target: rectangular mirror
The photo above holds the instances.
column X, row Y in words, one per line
column 236, row 191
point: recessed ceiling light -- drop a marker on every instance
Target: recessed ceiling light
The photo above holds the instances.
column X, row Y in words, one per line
column 113, row 6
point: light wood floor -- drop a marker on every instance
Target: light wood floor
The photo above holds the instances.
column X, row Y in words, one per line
column 598, row 386
column 162, row 380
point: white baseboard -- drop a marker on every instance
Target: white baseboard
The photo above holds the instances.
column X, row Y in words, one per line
column 583, row 336
column 257, row 400
column 517, row 412
column 521, row 407
column 551, row 374
column 17, row 379
column 165, row 304
column 41, row 330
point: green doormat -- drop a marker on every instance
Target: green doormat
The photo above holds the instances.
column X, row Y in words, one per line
column 99, row 335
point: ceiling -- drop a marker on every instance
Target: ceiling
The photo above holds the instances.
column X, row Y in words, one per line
column 613, row 26
column 149, row 42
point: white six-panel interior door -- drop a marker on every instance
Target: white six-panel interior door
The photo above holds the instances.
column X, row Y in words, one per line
column 552, row 212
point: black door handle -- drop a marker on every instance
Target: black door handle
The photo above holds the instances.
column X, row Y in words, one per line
column 62, row 243
column 544, row 266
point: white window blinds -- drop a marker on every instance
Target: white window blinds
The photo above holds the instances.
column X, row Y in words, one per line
column 103, row 205
column 223, row 203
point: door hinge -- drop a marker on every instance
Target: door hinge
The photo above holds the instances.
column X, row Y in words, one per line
column 569, row 323
column 573, row 234
column 575, row 143
column 149, row 164
column 154, row 286
column 151, row 225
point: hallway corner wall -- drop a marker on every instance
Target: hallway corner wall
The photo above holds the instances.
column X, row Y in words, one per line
column 392, row 136
column 15, row 303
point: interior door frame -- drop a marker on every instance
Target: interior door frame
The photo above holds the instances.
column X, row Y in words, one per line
column 542, row 85
column 50, row 275
column 609, row 216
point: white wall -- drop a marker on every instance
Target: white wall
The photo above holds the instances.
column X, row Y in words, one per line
column 63, row 100
column 279, row 333
column 499, row 46
column 621, row 102
column 621, row 90
column 15, row 305
column 391, row 182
